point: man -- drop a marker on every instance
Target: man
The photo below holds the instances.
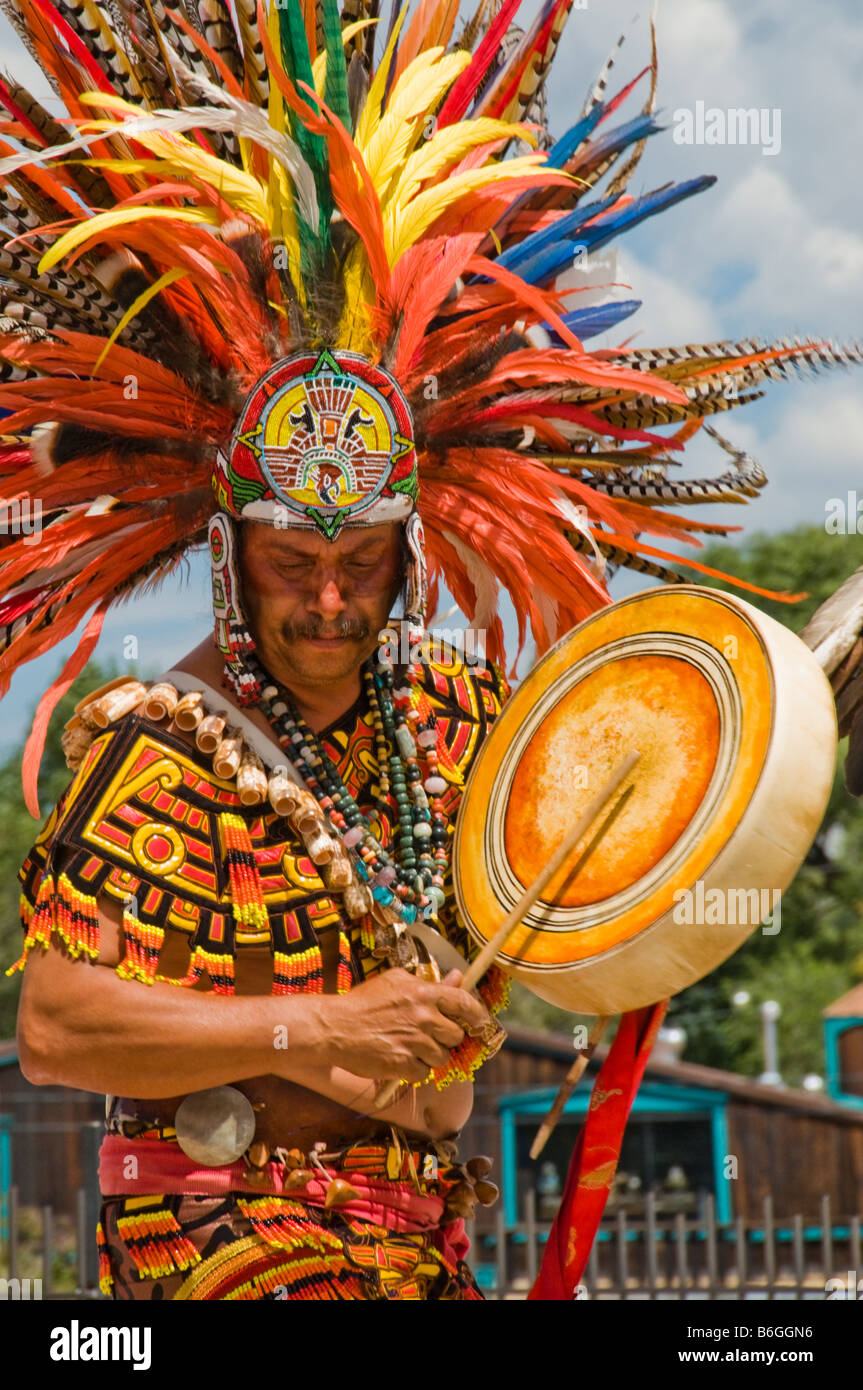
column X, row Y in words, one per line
column 298, row 279
column 316, row 610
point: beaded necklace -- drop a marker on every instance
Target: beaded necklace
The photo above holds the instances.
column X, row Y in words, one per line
column 409, row 883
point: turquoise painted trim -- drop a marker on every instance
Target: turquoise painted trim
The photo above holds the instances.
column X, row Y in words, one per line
column 721, row 1184
column 485, row 1276
column 652, row 1096
column 6, row 1123
column 509, row 1152
column 833, row 1028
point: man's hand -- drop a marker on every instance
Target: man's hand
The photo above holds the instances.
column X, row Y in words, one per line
column 397, row 1027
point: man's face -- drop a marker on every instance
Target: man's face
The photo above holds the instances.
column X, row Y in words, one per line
column 316, row 607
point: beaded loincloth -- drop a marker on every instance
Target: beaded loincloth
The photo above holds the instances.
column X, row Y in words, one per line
column 245, row 1246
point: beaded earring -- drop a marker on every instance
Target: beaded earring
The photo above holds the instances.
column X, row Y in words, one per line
column 232, row 635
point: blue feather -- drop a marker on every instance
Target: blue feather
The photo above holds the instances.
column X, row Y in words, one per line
column 566, row 146
column 548, row 263
column 607, row 228
column 558, row 231
column 586, row 323
column 632, row 131
column 639, row 128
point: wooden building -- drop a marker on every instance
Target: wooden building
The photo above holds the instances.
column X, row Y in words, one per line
column 49, row 1138
column 693, row 1131
column 843, row 1043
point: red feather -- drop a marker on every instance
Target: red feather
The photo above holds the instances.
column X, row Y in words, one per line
column 468, row 84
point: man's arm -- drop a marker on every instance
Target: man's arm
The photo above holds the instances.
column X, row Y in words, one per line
column 80, row 1025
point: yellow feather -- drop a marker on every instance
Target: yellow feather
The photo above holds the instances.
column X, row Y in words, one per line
column 275, row 101
column 91, row 228
column 405, row 225
column 283, row 221
column 109, row 101
column 180, row 155
column 356, row 28
column 281, row 213
column 407, row 100
column 245, row 145
column 371, row 112
column 242, row 192
column 319, row 73
column 417, row 93
column 354, row 331
column 279, row 200
column 448, row 146
column 319, row 66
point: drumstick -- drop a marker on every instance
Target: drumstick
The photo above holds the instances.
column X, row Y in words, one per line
column 529, row 897
column 568, row 1085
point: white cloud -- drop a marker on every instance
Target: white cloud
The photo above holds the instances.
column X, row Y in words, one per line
column 671, row 312
column 798, row 271
column 701, row 36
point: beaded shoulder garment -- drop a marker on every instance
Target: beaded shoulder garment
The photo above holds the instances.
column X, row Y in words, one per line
column 206, row 841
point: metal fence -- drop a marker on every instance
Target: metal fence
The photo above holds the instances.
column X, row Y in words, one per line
column 632, row 1258
column 684, row 1257
column 47, row 1259
column 49, row 1204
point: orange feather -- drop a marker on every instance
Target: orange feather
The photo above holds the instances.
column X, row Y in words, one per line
column 35, row 745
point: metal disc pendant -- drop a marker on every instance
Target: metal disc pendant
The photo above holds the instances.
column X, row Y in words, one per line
column 215, row 1127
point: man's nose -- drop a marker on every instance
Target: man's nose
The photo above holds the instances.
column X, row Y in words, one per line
column 329, row 601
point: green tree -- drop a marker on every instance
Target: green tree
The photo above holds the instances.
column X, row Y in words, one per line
column 805, row 560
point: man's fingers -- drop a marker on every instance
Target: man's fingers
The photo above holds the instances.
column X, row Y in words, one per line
column 432, row 1054
column 448, row 1032
column 416, row 1071
column 471, row 1013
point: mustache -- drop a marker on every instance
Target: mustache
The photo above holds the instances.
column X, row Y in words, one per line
column 349, row 628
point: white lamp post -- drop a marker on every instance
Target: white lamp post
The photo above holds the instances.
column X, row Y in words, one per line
column 770, row 1011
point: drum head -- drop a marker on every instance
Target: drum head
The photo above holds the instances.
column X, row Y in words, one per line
column 735, row 725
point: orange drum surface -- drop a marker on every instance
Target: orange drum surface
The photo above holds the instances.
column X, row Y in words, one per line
column 661, row 706
column 735, row 728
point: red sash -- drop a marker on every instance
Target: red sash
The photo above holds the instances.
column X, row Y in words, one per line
column 597, row 1151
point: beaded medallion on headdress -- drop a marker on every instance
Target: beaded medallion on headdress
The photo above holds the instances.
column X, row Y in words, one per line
column 323, row 440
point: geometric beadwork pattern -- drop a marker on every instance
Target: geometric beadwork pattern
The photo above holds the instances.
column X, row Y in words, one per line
column 140, row 822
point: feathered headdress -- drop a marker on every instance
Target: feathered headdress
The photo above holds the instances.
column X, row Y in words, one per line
column 235, row 185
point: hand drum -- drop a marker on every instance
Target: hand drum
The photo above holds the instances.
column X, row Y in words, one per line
column 735, row 725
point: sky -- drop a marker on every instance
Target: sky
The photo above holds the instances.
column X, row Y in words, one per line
column 774, row 249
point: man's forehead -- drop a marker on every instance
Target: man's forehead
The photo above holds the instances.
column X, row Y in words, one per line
column 297, row 541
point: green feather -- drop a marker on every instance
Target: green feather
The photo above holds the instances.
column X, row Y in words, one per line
column 296, row 59
column 297, row 63
column 243, row 490
column 336, row 84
